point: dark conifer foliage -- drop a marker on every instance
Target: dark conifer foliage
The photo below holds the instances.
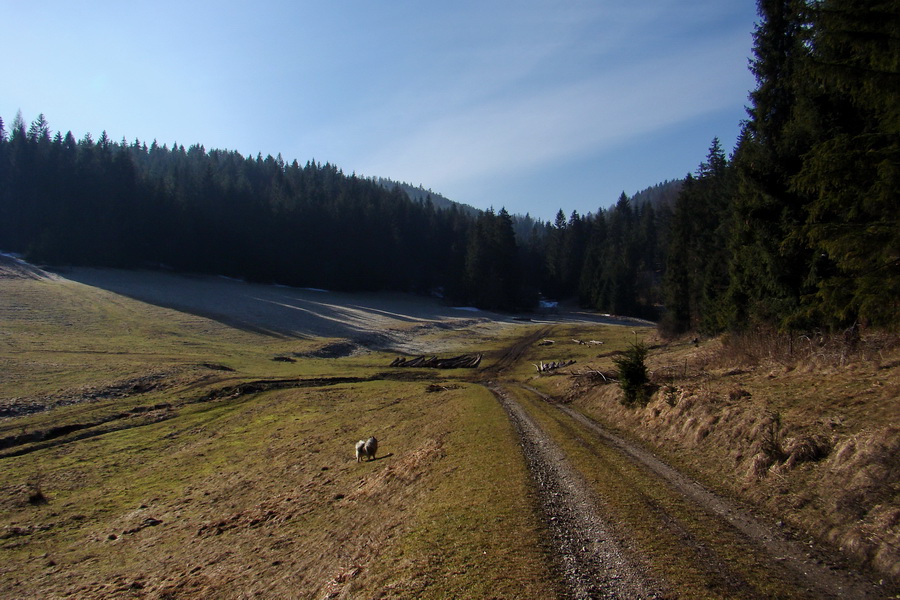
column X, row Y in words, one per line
column 851, row 173
column 493, row 266
column 696, row 276
column 134, row 205
column 771, row 266
column 800, row 229
column 129, row 205
column 816, row 240
column 611, row 261
column 797, row 229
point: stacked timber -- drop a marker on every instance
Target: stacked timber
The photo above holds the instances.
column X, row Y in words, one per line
column 464, row 361
column 552, row 366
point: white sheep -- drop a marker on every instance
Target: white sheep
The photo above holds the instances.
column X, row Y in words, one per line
column 366, row 448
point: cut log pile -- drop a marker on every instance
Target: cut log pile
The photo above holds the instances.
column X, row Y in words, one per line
column 464, row 361
column 552, row 366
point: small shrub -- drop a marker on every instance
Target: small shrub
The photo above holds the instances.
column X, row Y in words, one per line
column 807, row 448
column 35, row 494
column 633, row 376
column 772, row 444
column 670, row 395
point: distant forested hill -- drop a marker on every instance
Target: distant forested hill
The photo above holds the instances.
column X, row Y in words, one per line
column 665, row 193
column 421, row 195
column 138, row 205
column 98, row 202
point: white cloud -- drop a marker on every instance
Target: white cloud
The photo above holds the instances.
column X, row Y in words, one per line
column 515, row 129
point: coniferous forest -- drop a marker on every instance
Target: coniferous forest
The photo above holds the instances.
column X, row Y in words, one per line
column 797, row 228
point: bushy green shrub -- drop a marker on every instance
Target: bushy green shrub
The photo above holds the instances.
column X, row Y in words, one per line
column 633, row 376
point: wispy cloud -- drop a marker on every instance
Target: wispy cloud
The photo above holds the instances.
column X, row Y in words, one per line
column 512, row 128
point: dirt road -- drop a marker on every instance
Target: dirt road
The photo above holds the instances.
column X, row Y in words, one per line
column 592, row 563
column 610, row 528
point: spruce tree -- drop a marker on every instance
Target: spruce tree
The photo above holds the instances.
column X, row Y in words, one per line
column 852, row 171
column 697, row 277
column 592, row 274
column 770, row 268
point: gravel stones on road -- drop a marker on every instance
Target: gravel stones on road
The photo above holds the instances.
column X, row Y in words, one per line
column 591, row 561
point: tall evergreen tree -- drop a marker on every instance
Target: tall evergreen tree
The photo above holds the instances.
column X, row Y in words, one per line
column 555, row 257
column 852, row 171
column 771, row 267
column 493, row 269
column 39, row 131
column 592, row 270
column 18, row 127
column 573, row 248
column 697, row 276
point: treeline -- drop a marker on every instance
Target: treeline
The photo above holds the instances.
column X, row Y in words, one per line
column 102, row 203
column 121, row 204
column 799, row 229
column 612, row 261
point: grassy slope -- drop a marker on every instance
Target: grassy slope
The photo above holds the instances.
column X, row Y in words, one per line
column 250, row 494
column 748, row 417
column 259, row 492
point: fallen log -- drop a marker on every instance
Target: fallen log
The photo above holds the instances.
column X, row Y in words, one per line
column 588, row 343
column 597, row 376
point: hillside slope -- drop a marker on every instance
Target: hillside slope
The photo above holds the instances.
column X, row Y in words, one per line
column 164, row 436
column 811, row 437
column 148, row 452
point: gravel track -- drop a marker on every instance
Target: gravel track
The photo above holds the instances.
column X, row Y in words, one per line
column 591, row 562
column 815, row 571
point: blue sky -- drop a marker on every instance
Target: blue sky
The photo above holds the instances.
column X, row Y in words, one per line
column 529, row 105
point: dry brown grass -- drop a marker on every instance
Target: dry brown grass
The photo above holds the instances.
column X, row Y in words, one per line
column 815, row 349
column 810, row 433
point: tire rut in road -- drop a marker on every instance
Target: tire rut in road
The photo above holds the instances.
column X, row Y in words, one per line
column 592, row 563
column 515, row 352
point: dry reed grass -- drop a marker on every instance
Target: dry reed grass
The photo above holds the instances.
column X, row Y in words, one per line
column 813, row 349
column 865, row 471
